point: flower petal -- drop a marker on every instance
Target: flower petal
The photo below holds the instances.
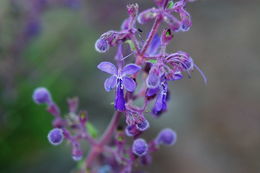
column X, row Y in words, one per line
column 147, row 15
column 130, row 69
column 110, row 83
column 153, row 79
column 154, row 46
column 119, row 98
column 152, row 91
column 107, row 67
column 172, row 21
column 129, row 84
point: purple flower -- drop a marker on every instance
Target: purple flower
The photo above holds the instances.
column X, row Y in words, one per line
column 140, row 147
column 162, row 92
column 166, row 137
column 120, row 80
column 42, row 96
column 164, row 13
column 55, row 136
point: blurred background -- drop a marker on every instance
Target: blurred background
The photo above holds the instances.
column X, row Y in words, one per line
column 51, row 43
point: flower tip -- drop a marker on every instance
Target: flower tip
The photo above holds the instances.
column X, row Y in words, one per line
column 101, row 45
column 41, row 96
column 140, row 147
column 56, row 136
column 166, row 137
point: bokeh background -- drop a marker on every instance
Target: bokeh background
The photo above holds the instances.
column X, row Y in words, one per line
column 51, row 43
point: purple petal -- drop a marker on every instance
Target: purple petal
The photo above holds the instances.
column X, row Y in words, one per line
column 130, row 69
column 110, row 83
column 147, row 15
column 129, row 84
column 107, row 67
column 152, row 91
column 186, row 20
column 160, row 104
column 119, row 99
column 154, row 46
column 172, row 21
column 153, row 79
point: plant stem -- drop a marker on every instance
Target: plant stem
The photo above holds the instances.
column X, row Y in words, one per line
column 152, row 33
column 106, row 137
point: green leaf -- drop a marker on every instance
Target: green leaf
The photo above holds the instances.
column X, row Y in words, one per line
column 131, row 44
column 92, row 130
column 170, row 4
column 153, row 61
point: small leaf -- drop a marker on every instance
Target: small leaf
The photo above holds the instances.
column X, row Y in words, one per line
column 153, row 61
column 170, row 4
column 131, row 44
column 92, row 130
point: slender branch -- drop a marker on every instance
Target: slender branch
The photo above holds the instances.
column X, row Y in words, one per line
column 98, row 148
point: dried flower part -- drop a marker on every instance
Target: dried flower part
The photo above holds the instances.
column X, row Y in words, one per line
column 140, row 147
column 133, row 9
column 56, row 136
column 166, row 137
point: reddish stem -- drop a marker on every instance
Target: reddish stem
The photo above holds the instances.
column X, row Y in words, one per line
column 98, row 148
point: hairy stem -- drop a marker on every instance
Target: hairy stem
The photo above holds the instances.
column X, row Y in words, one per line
column 97, row 149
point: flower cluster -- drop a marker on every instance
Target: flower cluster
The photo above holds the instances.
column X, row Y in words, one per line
column 145, row 77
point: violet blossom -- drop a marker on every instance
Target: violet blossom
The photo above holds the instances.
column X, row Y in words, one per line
column 119, row 80
column 150, row 66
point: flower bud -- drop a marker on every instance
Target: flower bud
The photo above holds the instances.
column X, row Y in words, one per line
column 132, row 131
column 101, row 45
column 55, row 136
column 142, row 126
column 41, row 95
column 140, row 147
column 166, row 137
column 76, row 152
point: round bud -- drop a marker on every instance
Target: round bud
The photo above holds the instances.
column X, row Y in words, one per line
column 140, row 147
column 55, row 136
column 166, row 137
column 142, row 126
column 41, row 95
column 101, row 45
